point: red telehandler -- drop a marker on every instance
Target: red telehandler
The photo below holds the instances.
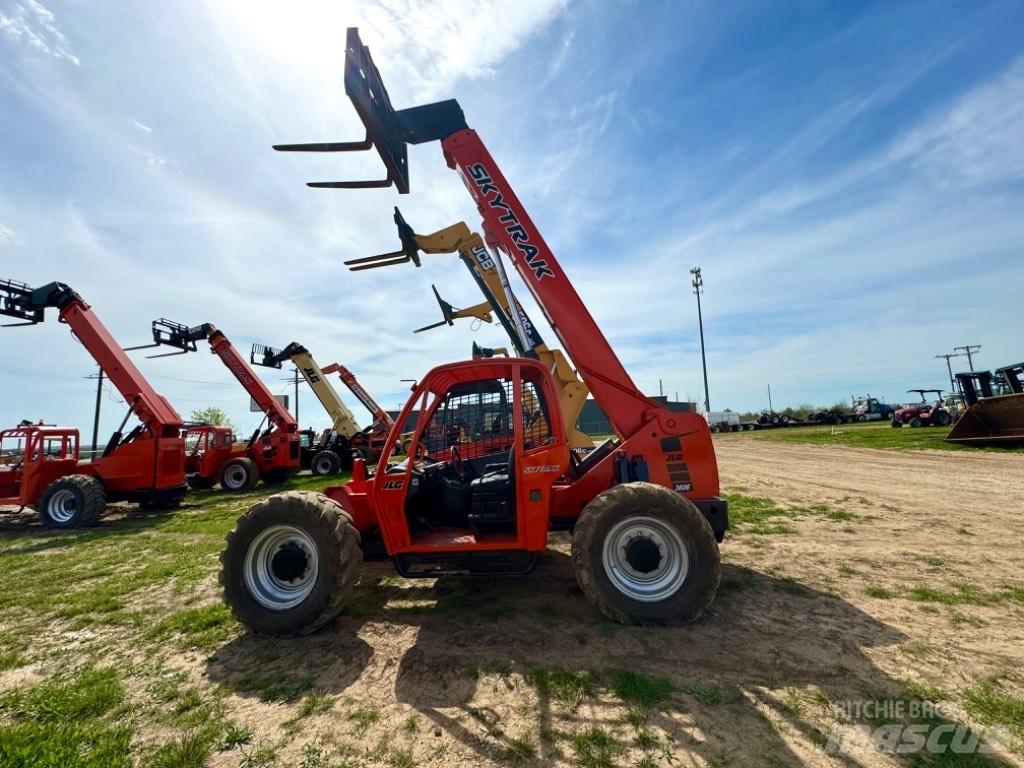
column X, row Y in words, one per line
column 643, row 507
column 145, row 465
column 212, row 454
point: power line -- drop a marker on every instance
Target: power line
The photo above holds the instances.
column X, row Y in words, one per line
column 968, row 350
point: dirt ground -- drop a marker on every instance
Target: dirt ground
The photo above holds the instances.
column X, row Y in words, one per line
column 897, row 576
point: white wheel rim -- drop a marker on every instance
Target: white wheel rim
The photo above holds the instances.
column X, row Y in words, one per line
column 281, row 567
column 62, row 506
column 645, row 558
column 235, row 476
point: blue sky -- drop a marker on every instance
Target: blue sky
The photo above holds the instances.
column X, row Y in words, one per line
column 848, row 175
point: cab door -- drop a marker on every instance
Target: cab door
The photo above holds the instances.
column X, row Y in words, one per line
column 542, row 454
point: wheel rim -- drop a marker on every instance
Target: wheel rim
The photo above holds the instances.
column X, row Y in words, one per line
column 324, row 465
column 62, row 506
column 645, row 558
column 235, row 476
column 281, row 567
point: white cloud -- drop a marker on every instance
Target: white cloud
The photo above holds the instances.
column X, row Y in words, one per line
column 8, row 236
column 33, row 24
column 142, row 127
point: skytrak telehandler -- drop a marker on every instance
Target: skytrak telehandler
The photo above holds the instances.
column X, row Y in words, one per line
column 489, row 274
column 643, row 507
column 334, row 450
column 213, row 453
column 146, row 465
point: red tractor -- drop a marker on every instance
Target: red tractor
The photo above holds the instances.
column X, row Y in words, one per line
column 643, row 507
column 213, row 455
column 927, row 413
column 44, row 469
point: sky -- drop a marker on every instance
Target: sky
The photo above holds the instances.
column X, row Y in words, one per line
column 849, row 177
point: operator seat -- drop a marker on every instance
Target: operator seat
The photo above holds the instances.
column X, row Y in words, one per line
column 493, row 507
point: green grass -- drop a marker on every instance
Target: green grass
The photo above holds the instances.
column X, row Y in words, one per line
column 871, row 435
column 206, row 627
column 65, row 745
column 879, row 593
column 65, row 723
column 190, row 750
column 364, row 717
column 988, row 704
column 596, row 748
column 640, row 690
column 762, row 516
column 565, row 686
column 519, row 750
column 89, row 694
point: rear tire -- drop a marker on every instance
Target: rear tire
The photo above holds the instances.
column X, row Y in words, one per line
column 290, row 564
column 326, row 462
column 942, row 419
column 239, row 475
column 75, row 501
column 916, row 422
column 645, row 555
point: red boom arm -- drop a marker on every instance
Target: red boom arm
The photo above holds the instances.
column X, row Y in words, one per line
column 508, row 225
column 379, row 414
column 236, row 363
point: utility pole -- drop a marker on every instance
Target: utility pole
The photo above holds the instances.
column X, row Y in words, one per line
column 99, row 399
column 770, row 409
column 296, row 380
column 698, row 284
column 952, row 381
column 969, row 350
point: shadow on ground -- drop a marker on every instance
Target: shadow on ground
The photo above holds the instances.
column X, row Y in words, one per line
column 424, row 644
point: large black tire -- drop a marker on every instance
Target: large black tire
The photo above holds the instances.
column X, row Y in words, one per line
column 198, row 483
column 916, row 422
column 942, row 419
column 74, row 501
column 661, row 530
column 303, row 523
column 325, row 462
column 239, row 475
column 277, row 476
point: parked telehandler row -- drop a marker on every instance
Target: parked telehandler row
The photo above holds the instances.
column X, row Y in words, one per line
column 146, row 465
column 489, row 274
column 214, row 456
column 334, row 450
column 643, row 507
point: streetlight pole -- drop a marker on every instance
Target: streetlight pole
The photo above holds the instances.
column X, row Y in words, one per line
column 698, row 285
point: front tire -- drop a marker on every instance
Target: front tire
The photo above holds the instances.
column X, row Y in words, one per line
column 75, row 501
column 326, row 462
column 290, row 564
column 645, row 555
column 239, row 475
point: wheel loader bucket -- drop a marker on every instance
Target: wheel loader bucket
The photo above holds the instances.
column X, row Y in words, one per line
column 995, row 420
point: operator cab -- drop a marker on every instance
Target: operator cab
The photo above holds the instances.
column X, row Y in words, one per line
column 475, row 434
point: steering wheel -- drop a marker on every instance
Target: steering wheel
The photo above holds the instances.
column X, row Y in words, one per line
column 458, row 468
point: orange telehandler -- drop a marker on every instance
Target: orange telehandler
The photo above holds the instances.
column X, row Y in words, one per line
column 644, row 507
column 213, row 455
column 145, row 465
